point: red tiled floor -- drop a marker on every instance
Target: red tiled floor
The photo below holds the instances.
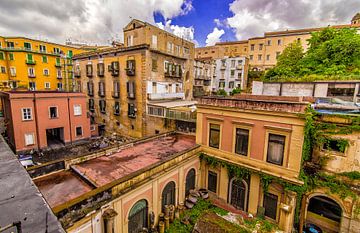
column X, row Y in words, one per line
column 61, row 187
column 106, row 169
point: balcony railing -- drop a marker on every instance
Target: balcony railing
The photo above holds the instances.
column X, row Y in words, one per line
column 159, row 96
column 30, row 62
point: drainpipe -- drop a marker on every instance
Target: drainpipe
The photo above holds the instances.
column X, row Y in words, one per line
column 69, row 115
column 36, row 123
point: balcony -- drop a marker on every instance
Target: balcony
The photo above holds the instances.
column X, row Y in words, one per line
column 30, row 62
column 160, row 96
column 115, row 94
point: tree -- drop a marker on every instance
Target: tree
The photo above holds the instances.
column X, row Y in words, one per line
column 288, row 61
column 331, row 52
column 235, row 91
column 221, row 92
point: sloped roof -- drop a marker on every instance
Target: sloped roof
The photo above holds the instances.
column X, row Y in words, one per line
column 356, row 17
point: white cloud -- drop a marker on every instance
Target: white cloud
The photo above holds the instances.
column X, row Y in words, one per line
column 184, row 32
column 94, row 21
column 254, row 17
column 214, row 36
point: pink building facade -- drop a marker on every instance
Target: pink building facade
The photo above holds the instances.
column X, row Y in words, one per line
column 37, row 120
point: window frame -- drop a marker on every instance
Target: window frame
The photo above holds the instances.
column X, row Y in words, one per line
column 22, row 114
column 49, row 85
column 33, row 138
column 277, row 205
column 212, row 172
column 57, row 112
column 76, row 111
column 209, row 131
column 243, row 126
column 285, row 146
column 76, row 133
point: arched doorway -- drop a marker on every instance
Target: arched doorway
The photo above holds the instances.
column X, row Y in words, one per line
column 168, row 195
column 190, row 181
column 323, row 213
column 138, row 217
column 238, row 193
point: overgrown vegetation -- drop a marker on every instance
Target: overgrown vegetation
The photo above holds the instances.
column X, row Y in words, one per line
column 235, row 91
column 221, row 92
column 332, row 54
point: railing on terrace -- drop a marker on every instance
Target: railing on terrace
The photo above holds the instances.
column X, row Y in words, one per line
column 180, row 115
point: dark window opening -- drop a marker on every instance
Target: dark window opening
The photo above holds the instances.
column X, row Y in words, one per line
column 190, row 181
column 214, row 137
column 79, row 131
column 275, row 153
column 212, row 181
column 270, row 205
column 325, row 207
column 242, row 141
column 168, row 195
column 53, row 112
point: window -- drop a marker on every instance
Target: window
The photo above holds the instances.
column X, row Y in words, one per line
column 130, row 87
column 259, row 57
column 131, row 110
column 269, row 42
column 44, row 59
column 155, row 111
column 168, row 195
column 29, row 139
column 10, row 44
column 78, row 131
column 100, row 69
column 270, row 205
column 42, row 49
column 232, row 63
column 89, row 70
column 239, row 75
column 11, row 57
column 101, row 89
column 31, row 72
column 29, row 57
column 59, row 86
column 27, row 46
column 252, row 47
column 251, row 57
column 186, row 51
column 130, row 40
column 3, row 69
column 46, row 72
column 1, row 56
column 261, row 46
column 56, row 50
column 102, row 105
column 26, row 114
column 58, row 73
column 138, row 217
column 12, row 71
column 154, row 41
column 212, row 181
column 275, row 153
column 214, row 136
column 117, row 108
column 91, row 104
column 190, row 181
column 169, row 47
column 242, row 141
column 268, row 57
column 334, row 145
column 47, row 85
column 77, row 110
column 53, row 112
column 177, row 50
column 279, row 42
column 222, row 84
column 32, row 86
column 232, row 72
column 154, row 64
column 231, row 84
column 57, row 61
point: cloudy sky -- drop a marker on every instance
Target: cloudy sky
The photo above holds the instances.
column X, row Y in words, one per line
column 204, row 21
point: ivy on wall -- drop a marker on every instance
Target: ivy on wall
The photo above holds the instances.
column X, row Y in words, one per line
column 316, row 134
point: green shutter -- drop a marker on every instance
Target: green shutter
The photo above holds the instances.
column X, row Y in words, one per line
column 70, row 54
column 58, row 60
column 11, row 56
column 1, row 56
column 44, row 58
column 29, row 57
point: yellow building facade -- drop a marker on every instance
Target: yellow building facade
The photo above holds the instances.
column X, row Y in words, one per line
column 263, row 51
column 35, row 65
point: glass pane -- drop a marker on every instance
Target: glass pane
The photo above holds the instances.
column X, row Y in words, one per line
column 212, row 181
column 214, row 137
column 270, row 205
column 242, row 141
column 275, row 152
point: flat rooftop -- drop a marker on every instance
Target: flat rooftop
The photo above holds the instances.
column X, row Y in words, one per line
column 55, row 187
column 20, row 199
column 60, row 187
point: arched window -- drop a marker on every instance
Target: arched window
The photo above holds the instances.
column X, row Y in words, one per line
column 322, row 211
column 168, row 195
column 238, row 193
column 190, row 181
column 138, row 217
